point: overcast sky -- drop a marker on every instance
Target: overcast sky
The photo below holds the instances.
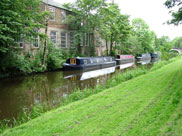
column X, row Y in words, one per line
column 153, row 12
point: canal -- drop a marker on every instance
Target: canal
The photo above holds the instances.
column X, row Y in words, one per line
column 48, row 88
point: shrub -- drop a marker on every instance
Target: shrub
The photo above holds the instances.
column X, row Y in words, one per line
column 55, row 57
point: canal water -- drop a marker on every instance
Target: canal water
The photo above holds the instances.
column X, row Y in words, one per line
column 48, row 88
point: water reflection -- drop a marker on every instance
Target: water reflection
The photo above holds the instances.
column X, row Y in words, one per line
column 144, row 62
column 90, row 74
column 48, row 88
column 126, row 66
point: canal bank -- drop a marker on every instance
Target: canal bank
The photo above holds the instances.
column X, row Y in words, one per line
column 114, row 81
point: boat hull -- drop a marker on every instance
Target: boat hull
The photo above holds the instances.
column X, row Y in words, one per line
column 88, row 67
column 121, row 61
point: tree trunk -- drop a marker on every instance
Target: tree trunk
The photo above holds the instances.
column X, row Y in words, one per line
column 107, row 48
column 93, row 45
column 111, row 44
column 45, row 45
column 45, row 42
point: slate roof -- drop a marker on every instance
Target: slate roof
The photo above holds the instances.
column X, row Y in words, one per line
column 55, row 4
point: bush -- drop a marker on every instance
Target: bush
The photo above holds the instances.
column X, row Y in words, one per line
column 55, row 58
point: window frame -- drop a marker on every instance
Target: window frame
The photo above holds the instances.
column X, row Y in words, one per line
column 103, row 42
column 55, row 36
column 20, row 41
column 35, row 38
column 72, row 40
column 63, row 16
column 65, row 39
column 52, row 11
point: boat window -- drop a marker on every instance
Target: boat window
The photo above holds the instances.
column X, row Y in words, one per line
column 73, row 61
column 85, row 61
column 97, row 60
column 117, row 56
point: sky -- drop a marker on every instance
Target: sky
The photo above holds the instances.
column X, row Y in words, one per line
column 153, row 12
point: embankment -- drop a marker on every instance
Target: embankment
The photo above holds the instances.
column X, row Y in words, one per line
column 146, row 105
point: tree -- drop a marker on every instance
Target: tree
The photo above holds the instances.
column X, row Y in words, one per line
column 85, row 21
column 132, row 45
column 115, row 27
column 19, row 19
column 46, row 32
column 144, row 35
column 177, row 42
column 176, row 14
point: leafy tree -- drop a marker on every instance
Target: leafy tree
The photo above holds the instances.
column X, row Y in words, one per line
column 177, row 42
column 176, row 14
column 165, row 47
column 144, row 35
column 85, row 20
column 115, row 27
column 18, row 20
column 132, row 45
column 18, row 17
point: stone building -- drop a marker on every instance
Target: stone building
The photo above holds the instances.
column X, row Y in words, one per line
column 60, row 33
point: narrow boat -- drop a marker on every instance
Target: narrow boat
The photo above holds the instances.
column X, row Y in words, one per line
column 154, row 57
column 123, row 59
column 89, row 63
column 143, row 57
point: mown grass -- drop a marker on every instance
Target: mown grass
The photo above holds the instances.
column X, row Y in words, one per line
column 38, row 110
column 149, row 104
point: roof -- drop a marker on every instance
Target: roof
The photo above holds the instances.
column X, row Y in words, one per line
column 55, row 4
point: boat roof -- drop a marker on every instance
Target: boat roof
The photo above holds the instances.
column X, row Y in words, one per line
column 94, row 57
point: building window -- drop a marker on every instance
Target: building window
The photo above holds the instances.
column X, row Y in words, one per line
column 53, row 36
column 63, row 16
column 71, row 39
column 63, row 39
column 97, row 41
column 19, row 41
column 35, row 42
column 103, row 42
column 52, row 13
column 83, row 40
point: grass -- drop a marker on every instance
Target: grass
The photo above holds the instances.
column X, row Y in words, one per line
column 114, row 81
column 149, row 104
column 25, row 116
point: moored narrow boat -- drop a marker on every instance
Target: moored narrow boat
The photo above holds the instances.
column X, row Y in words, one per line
column 143, row 57
column 154, row 57
column 123, row 59
column 89, row 63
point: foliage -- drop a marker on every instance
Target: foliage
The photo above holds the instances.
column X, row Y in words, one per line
column 85, row 21
column 18, row 18
column 25, row 116
column 55, row 57
column 115, row 27
column 25, row 63
column 97, row 19
column 176, row 14
column 177, row 42
column 165, row 47
column 141, row 39
column 144, row 35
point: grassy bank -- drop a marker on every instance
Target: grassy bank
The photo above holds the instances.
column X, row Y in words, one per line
column 147, row 105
